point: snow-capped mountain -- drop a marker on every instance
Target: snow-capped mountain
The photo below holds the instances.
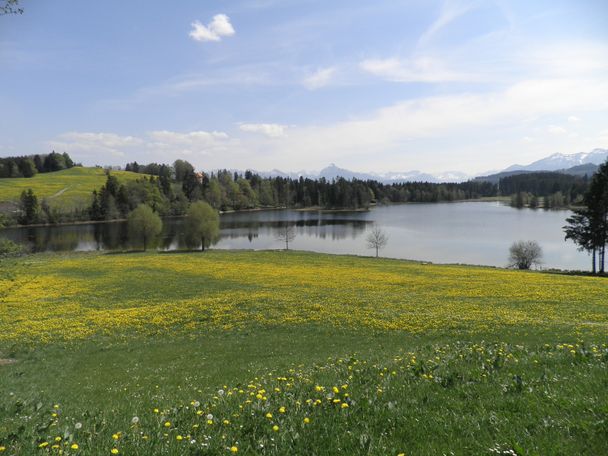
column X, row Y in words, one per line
column 562, row 161
column 333, row 172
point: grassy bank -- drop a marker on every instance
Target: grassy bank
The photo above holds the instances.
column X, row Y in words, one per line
column 298, row 353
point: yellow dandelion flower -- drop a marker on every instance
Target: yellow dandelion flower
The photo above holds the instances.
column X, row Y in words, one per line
column 167, row 424
column 306, row 420
column 114, row 451
column 275, row 428
column 282, row 410
column 269, row 415
column 344, row 405
column 116, row 436
column 234, row 449
column 74, row 446
column 179, row 437
column 43, row 445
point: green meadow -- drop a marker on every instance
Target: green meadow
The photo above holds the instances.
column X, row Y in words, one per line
column 237, row 352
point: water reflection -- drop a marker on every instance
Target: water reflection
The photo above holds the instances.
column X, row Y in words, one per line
column 114, row 235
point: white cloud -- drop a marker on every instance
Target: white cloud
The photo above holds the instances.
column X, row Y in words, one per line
column 161, row 145
column 319, row 78
column 91, row 145
column 269, row 130
column 573, row 119
column 218, row 28
column 421, row 69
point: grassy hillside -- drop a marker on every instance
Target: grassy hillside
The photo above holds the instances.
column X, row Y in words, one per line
column 298, row 353
column 66, row 189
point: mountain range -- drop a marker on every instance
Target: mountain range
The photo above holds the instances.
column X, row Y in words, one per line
column 578, row 164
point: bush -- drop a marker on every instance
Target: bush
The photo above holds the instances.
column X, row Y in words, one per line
column 524, row 254
column 8, row 248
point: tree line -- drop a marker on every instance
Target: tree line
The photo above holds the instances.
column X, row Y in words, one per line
column 30, row 165
column 544, row 189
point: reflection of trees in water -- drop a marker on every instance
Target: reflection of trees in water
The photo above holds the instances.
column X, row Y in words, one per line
column 334, row 229
column 114, row 235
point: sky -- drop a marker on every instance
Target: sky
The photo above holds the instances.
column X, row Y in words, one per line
column 397, row 85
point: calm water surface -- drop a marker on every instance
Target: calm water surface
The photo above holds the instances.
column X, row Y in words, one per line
column 469, row 232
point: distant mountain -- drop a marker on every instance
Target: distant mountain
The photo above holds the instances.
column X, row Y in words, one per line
column 333, row 172
column 558, row 162
column 580, row 170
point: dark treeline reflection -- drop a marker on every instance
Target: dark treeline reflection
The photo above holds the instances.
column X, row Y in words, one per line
column 248, row 225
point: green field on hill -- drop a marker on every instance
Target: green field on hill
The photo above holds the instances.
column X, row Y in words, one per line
column 277, row 353
column 66, row 189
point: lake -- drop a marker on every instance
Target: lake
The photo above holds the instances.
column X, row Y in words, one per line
column 463, row 232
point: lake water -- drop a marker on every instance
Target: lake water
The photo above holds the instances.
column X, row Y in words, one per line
column 464, row 232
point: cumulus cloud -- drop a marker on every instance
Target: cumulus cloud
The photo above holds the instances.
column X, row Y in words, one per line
column 270, row 130
column 319, row 78
column 91, row 145
column 218, row 28
column 153, row 146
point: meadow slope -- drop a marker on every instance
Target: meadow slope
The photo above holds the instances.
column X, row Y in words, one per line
column 66, row 189
column 297, row 353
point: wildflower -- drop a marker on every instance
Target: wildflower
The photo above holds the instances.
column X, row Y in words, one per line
column 344, row 405
column 57, row 439
column 167, row 424
column 220, row 392
column 2, row 449
column 179, row 437
column 78, row 426
column 209, row 422
column 269, row 415
column 209, row 416
column 226, row 422
column 282, row 410
column 156, row 410
column 74, row 446
column 234, row 449
column 43, row 445
column 306, row 420
column 116, row 436
column 135, row 420
column 114, row 451
column 275, row 428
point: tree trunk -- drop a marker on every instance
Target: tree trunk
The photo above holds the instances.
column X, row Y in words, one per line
column 376, row 251
column 593, row 260
column 202, row 244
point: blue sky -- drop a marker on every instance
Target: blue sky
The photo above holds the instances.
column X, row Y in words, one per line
column 464, row 85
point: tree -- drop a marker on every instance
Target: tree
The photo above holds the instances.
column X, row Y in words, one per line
column 202, row 225
column 596, row 200
column 524, row 254
column 28, row 204
column 286, row 234
column 28, row 168
column 376, row 239
column 580, row 230
column 145, row 224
